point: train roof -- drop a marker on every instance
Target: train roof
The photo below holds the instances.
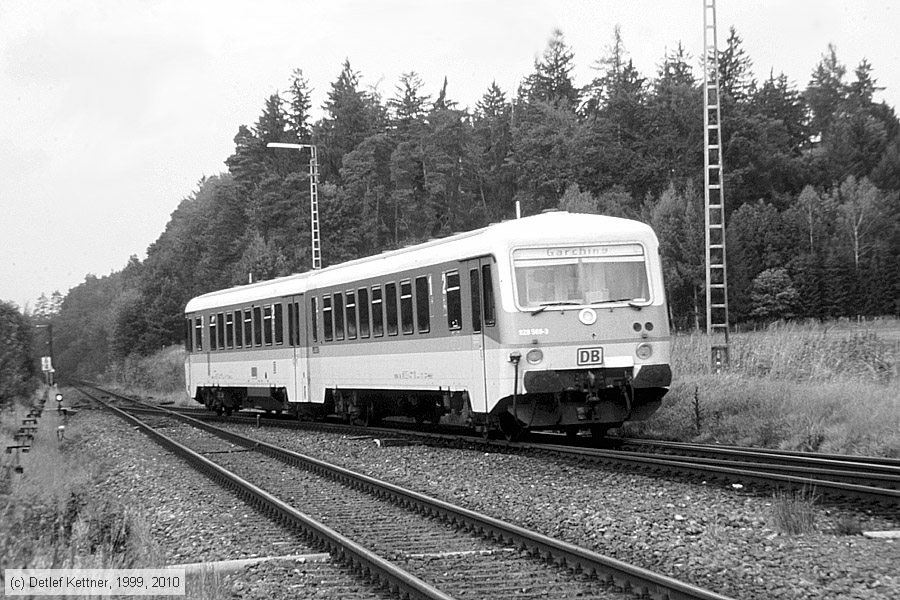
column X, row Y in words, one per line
column 557, row 227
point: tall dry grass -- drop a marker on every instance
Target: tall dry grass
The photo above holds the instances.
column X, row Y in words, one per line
column 820, row 387
column 52, row 517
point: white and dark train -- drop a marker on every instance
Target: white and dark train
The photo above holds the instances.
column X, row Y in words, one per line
column 556, row 321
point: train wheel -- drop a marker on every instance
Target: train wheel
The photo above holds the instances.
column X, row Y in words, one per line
column 510, row 427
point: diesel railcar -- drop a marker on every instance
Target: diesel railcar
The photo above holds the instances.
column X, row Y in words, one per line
column 555, row 321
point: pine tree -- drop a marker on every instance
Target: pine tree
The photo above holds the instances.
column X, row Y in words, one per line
column 552, row 81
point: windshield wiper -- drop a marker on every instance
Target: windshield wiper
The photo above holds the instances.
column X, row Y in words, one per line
column 631, row 302
column 546, row 305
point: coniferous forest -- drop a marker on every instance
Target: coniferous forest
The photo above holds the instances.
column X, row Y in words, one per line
column 812, row 177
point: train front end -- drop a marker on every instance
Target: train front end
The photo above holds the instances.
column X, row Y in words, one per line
column 585, row 343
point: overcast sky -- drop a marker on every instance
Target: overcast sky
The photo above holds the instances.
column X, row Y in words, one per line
column 111, row 111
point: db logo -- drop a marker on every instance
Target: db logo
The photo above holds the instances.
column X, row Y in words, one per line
column 590, row 356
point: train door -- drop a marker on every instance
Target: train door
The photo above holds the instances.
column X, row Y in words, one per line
column 299, row 391
column 480, row 303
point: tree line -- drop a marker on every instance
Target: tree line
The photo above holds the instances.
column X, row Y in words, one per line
column 811, row 182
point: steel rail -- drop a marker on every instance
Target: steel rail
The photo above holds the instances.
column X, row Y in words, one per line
column 877, row 464
column 756, row 473
column 637, row 580
column 395, row 579
column 843, row 483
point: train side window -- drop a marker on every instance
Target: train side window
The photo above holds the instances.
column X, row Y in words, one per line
column 296, row 314
column 390, row 308
column 377, row 312
column 229, row 330
column 475, row 296
column 292, row 329
column 213, row 337
column 257, row 326
column 198, row 334
column 351, row 315
column 248, row 328
column 454, row 300
column 314, row 313
column 188, row 335
column 406, row 307
column 326, row 318
column 238, row 331
column 338, row 316
column 278, row 322
column 423, row 304
column 267, row 324
column 362, row 295
column 220, row 321
column 490, row 315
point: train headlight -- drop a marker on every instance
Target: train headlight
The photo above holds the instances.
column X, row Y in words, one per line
column 644, row 351
column 534, row 356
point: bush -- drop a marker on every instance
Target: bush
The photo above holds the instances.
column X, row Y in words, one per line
column 828, row 388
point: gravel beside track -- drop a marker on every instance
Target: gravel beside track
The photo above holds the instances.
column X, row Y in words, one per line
column 721, row 539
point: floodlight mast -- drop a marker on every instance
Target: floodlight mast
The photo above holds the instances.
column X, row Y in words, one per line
column 313, row 197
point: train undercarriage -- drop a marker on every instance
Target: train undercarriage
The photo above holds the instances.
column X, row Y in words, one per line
column 566, row 401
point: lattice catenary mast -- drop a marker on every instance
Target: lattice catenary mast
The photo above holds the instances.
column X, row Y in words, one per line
column 716, row 279
column 313, row 197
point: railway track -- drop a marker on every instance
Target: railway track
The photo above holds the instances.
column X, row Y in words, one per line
column 840, row 478
column 416, row 546
column 875, row 480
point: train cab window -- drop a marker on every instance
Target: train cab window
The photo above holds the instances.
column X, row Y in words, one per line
column 351, row 315
column 198, row 333
column 406, row 307
column 475, row 296
column 267, row 324
column 314, row 313
column 377, row 312
column 454, row 300
column 213, row 338
column 257, row 326
column 423, row 304
column 326, row 318
column 248, row 328
column 229, row 330
column 338, row 316
column 238, row 331
column 362, row 295
column 278, row 323
column 490, row 315
column 390, row 308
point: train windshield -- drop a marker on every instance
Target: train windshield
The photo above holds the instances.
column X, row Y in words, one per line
column 580, row 275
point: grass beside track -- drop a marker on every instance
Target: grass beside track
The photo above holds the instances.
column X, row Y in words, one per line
column 51, row 516
column 829, row 387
